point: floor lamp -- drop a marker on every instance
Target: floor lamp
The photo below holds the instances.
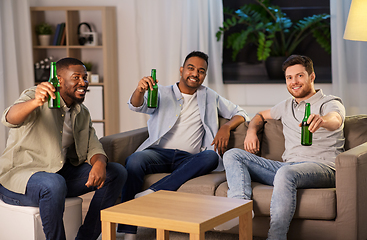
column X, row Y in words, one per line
column 356, row 28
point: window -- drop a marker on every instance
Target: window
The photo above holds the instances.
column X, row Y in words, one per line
column 247, row 69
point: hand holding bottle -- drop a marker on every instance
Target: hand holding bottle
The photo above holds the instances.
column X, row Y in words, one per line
column 153, row 93
column 43, row 91
column 315, row 121
column 146, row 83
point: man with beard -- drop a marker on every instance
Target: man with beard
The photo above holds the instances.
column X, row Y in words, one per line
column 183, row 132
column 53, row 154
column 303, row 166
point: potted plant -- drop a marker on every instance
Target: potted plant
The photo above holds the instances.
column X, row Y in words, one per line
column 273, row 33
column 88, row 66
column 44, row 31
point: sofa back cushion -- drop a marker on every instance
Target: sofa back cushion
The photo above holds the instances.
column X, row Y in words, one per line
column 272, row 144
column 355, row 131
column 238, row 135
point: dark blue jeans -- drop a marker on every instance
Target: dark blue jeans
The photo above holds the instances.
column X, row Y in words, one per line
column 182, row 165
column 49, row 190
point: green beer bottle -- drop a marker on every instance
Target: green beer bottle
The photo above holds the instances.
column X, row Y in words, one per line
column 153, row 94
column 306, row 135
column 54, row 103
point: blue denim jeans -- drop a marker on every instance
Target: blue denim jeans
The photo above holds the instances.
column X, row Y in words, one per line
column 182, row 165
column 49, row 190
column 243, row 167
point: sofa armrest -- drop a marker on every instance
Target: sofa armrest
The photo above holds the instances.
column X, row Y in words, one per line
column 351, row 191
column 121, row 145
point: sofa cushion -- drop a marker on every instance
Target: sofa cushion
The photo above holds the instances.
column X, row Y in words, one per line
column 238, row 135
column 205, row 185
column 317, row 203
column 355, row 131
column 272, row 144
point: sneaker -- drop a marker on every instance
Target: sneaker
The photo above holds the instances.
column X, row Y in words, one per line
column 130, row 236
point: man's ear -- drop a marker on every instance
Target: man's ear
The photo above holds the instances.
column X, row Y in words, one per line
column 313, row 76
column 181, row 69
column 60, row 79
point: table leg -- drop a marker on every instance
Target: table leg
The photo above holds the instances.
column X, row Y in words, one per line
column 195, row 236
column 245, row 226
column 108, row 231
column 162, row 234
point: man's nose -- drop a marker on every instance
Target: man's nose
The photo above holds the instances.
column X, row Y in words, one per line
column 83, row 82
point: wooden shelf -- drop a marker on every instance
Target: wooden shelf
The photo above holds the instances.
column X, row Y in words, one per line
column 103, row 56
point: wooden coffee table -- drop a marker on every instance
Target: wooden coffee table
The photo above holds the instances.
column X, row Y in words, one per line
column 177, row 211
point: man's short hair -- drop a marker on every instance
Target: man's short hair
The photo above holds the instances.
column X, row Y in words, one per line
column 64, row 63
column 197, row 54
column 299, row 59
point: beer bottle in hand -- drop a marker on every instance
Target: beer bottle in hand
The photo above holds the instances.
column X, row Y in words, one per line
column 153, row 94
column 54, row 103
column 306, row 135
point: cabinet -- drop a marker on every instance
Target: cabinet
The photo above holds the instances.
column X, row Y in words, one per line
column 103, row 56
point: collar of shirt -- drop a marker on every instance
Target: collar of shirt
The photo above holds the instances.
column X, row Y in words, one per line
column 312, row 100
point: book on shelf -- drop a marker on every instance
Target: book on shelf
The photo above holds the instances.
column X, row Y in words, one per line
column 54, row 42
column 63, row 37
column 61, row 30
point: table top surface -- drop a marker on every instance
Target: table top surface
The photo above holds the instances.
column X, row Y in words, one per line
column 177, row 211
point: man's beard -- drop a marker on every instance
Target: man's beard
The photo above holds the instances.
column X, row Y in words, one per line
column 75, row 99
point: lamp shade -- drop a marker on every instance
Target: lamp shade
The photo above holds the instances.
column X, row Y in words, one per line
column 356, row 28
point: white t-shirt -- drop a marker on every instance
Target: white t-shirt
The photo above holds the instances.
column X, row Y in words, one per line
column 187, row 133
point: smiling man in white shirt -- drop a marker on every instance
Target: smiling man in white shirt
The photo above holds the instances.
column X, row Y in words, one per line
column 184, row 139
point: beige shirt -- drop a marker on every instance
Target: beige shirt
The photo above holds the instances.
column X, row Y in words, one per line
column 36, row 144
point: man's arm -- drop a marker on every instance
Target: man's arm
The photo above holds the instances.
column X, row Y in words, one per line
column 252, row 143
column 137, row 99
column 19, row 112
column 331, row 121
column 222, row 138
column 97, row 175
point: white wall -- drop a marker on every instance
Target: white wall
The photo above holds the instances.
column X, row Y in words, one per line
column 252, row 97
column 258, row 97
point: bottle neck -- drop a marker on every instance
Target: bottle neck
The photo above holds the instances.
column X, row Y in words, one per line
column 153, row 74
column 53, row 70
column 307, row 112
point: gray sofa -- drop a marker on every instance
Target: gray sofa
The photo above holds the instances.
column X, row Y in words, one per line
column 324, row 213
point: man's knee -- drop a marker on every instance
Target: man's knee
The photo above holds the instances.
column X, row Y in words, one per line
column 235, row 154
column 52, row 183
column 136, row 162
column 116, row 171
column 209, row 156
column 285, row 174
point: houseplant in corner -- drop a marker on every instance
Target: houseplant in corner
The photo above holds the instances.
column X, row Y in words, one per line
column 44, row 31
column 88, row 66
column 273, row 33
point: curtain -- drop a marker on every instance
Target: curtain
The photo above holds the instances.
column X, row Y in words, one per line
column 349, row 58
column 16, row 72
column 161, row 34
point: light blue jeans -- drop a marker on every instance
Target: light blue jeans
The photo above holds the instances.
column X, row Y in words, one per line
column 242, row 167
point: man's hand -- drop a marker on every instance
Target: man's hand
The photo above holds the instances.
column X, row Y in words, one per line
column 221, row 140
column 43, row 90
column 330, row 121
column 97, row 175
column 144, row 84
column 251, row 143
